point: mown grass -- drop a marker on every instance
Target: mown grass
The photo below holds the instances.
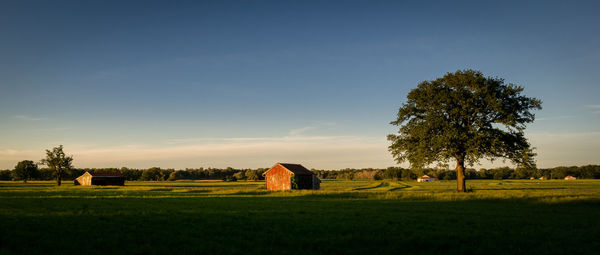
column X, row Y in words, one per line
column 345, row 217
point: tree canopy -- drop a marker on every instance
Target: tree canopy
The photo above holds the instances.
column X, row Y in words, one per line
column 25, row 170
column 464, row 116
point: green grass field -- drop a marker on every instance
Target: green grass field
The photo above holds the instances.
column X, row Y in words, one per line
column 345, row 217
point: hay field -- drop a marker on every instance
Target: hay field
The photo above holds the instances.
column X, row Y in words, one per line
column 345, row 217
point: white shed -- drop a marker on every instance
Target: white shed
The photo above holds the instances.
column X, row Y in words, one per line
column 425, row 178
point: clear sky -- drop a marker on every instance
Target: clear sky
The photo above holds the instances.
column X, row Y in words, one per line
column 245, row 84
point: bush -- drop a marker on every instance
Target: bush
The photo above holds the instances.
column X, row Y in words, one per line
column 230, row 178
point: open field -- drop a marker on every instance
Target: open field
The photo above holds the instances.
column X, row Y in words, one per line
column 345, row 217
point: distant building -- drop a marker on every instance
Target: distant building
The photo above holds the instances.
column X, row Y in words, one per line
column 88, row 178
column 284, row 176
column 425, row 178
column 570, row 178
column 542, row 178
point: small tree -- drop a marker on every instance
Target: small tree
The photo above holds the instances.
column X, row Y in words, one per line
column 25, row 170
column 463, row 116
column 57, row 161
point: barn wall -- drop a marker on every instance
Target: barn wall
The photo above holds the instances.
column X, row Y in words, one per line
column 85, row 179
column 316, row 182
column 278, row 178
column 106, row 180
column 304, row 181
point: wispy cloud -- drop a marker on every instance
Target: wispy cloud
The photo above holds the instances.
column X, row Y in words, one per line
column 28, row 118
column 594, row 107
column 52, row 129
column 325, row 123
column 10, row 157
column 299, row 131
column 328, row 152
column 315, row 151
column 559, row 117
column 560, row 149
column 8, row 152
column 260, row 139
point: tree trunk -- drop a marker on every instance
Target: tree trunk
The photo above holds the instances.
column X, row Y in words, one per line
column 58, row 178
column 460, row 174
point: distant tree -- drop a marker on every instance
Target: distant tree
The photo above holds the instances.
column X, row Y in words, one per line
column 561, row 172
column 5, row 175
column 523, row 173
column 498, row 175
column 172, row 176
column 153, row 174
column 130, row 174
column 58, row 162
column 239, row 175
column 47, row 174
column 392, row 173
column 379, row 175
column 230, row 178
column 407, row 174
column 25, row 170
column 588, row 172
column 177, row 175
column 463, row 116
column 251, row 175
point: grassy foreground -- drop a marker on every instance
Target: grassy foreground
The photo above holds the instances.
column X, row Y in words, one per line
column 345, row 217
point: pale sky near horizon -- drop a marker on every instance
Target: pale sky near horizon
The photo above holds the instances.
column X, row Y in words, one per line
column 247, row 84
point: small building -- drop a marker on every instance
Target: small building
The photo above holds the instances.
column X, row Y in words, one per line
column 285, row 176
column 88, row 178
column 570, row 178
column 425, row 178
column 542, row 178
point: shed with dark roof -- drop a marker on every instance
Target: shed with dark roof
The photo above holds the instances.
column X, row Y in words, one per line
column 88, row 178
column 285, row 176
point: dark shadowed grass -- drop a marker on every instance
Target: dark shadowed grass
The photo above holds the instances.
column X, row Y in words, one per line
column 244, row 218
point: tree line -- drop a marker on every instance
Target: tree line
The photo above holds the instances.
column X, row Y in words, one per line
column 135, row 174
column 231, row 174
column 398, row 173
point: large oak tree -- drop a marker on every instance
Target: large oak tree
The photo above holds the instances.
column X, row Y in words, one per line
column 464, row 116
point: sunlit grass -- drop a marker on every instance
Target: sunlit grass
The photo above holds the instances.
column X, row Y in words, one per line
column 344, row 217
column 535, row 190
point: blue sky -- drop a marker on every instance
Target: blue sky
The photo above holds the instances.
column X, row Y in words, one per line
column 251, row 83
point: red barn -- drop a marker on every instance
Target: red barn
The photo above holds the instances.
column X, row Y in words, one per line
column 284, row 176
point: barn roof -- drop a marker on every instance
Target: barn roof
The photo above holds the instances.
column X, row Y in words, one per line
column 296, row 169
column 105, row 174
